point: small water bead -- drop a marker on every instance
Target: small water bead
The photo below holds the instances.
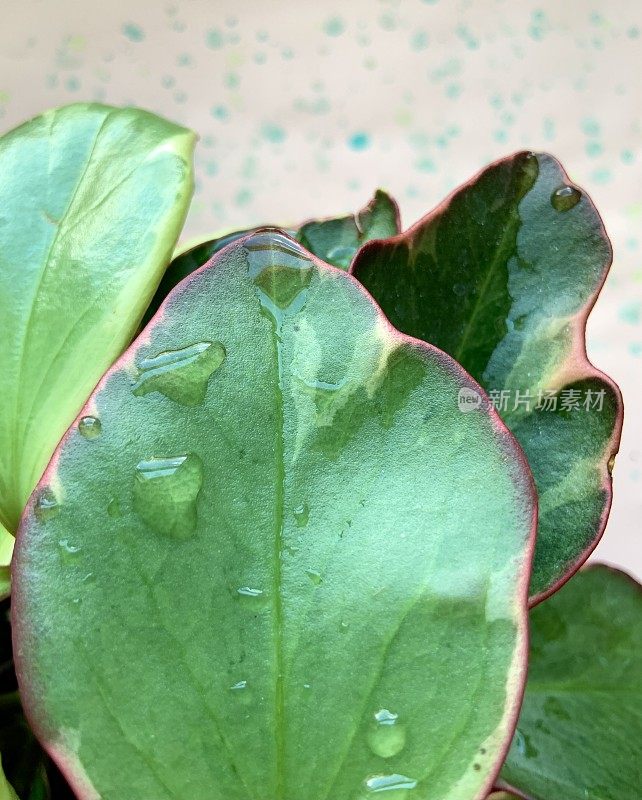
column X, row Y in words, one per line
column 340, row 256
column 247, row 591
column 301, row 515
column 281, row 271
column 386, row 737
column 68, row 552
column 315, row 577
column 90, row 427
column 387, row 783
column 47, row 505
column 242, row 692
column 565, row 198
column 113, row 508
column 182, row 375
column 237, row 687
column 165, row 494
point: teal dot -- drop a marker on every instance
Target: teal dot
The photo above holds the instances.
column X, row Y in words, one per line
column 627, row 156
column 232, row 80
column 453, row 90
column 273, row 133
column 426, row 165
column 219, row 112
column 334, row 26
column 387, row 22
column 133, row 32
column 635, row 348
column 73, row 84
column 419, row 40
column 590, row 126
column 601, row 175
column 243, row 197
column 211, row 168
column 184, row 60
column 633, row 33
column 593, row 149
column 631, row 313
column 359, row 141
column 549, row 129
column 500, row 136
column 167, row 81
column 214, row 39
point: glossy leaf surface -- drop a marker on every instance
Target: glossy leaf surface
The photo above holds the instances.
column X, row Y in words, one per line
column 92, row 200
column 307, row 582
column 334, row 240
column 502, row 276
column 579, row 732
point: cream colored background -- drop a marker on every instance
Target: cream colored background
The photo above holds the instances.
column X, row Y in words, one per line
column 304, row 107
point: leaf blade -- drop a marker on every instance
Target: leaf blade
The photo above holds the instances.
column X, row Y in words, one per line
column 293, row 565
column 582, row 714
column 504, row 281
column 72, row 287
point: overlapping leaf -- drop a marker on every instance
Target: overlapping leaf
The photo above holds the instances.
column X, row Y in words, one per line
column 92, row 200
column 580, row 728
column 334, row 240
column 274, row 558
column 502, row 277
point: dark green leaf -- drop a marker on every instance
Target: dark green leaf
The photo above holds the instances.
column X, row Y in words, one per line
column 502, row 277
column 579, row 732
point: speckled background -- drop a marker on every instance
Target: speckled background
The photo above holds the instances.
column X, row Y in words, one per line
column 304, row 107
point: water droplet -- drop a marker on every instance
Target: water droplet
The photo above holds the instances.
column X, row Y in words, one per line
column 46, row 505
column 113, row 508
column 301, row 515
column 340, row 256
column 68, row 552
column 90, row 427
column 343, row 627
column 166, row 491
column 565, row 198
column 281, row 272
column 386, row 783
column 242, row 692
column 182, row 375
column 315, row 577
column 524, row 746
column 247, row 591
column 386, row 736
column 68, row 548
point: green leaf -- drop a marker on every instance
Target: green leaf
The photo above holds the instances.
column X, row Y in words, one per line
column 337, row 240
column 92, row 200
column 6, row 792
column 312, row 585
column 502, row 276
column 334, row 240
column 580, row 728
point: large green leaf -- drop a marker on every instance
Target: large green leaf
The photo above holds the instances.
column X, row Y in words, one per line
column 580, row 728
column 502, row 277
column 272, row 559
column 92, row 200
column 334, row 240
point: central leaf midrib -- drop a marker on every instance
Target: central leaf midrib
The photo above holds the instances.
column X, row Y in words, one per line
column 279, row 505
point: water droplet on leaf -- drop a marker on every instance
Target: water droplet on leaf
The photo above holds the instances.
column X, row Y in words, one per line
column 281, row 272
column 90, row 427
column 165, row 494
column 386, row 737
column 247, row 591
column 182, row 375
column 46, row 505
column 113, row 508
column 315, row 577
column 301, row 515
column 564, row 198
column 386, row 783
